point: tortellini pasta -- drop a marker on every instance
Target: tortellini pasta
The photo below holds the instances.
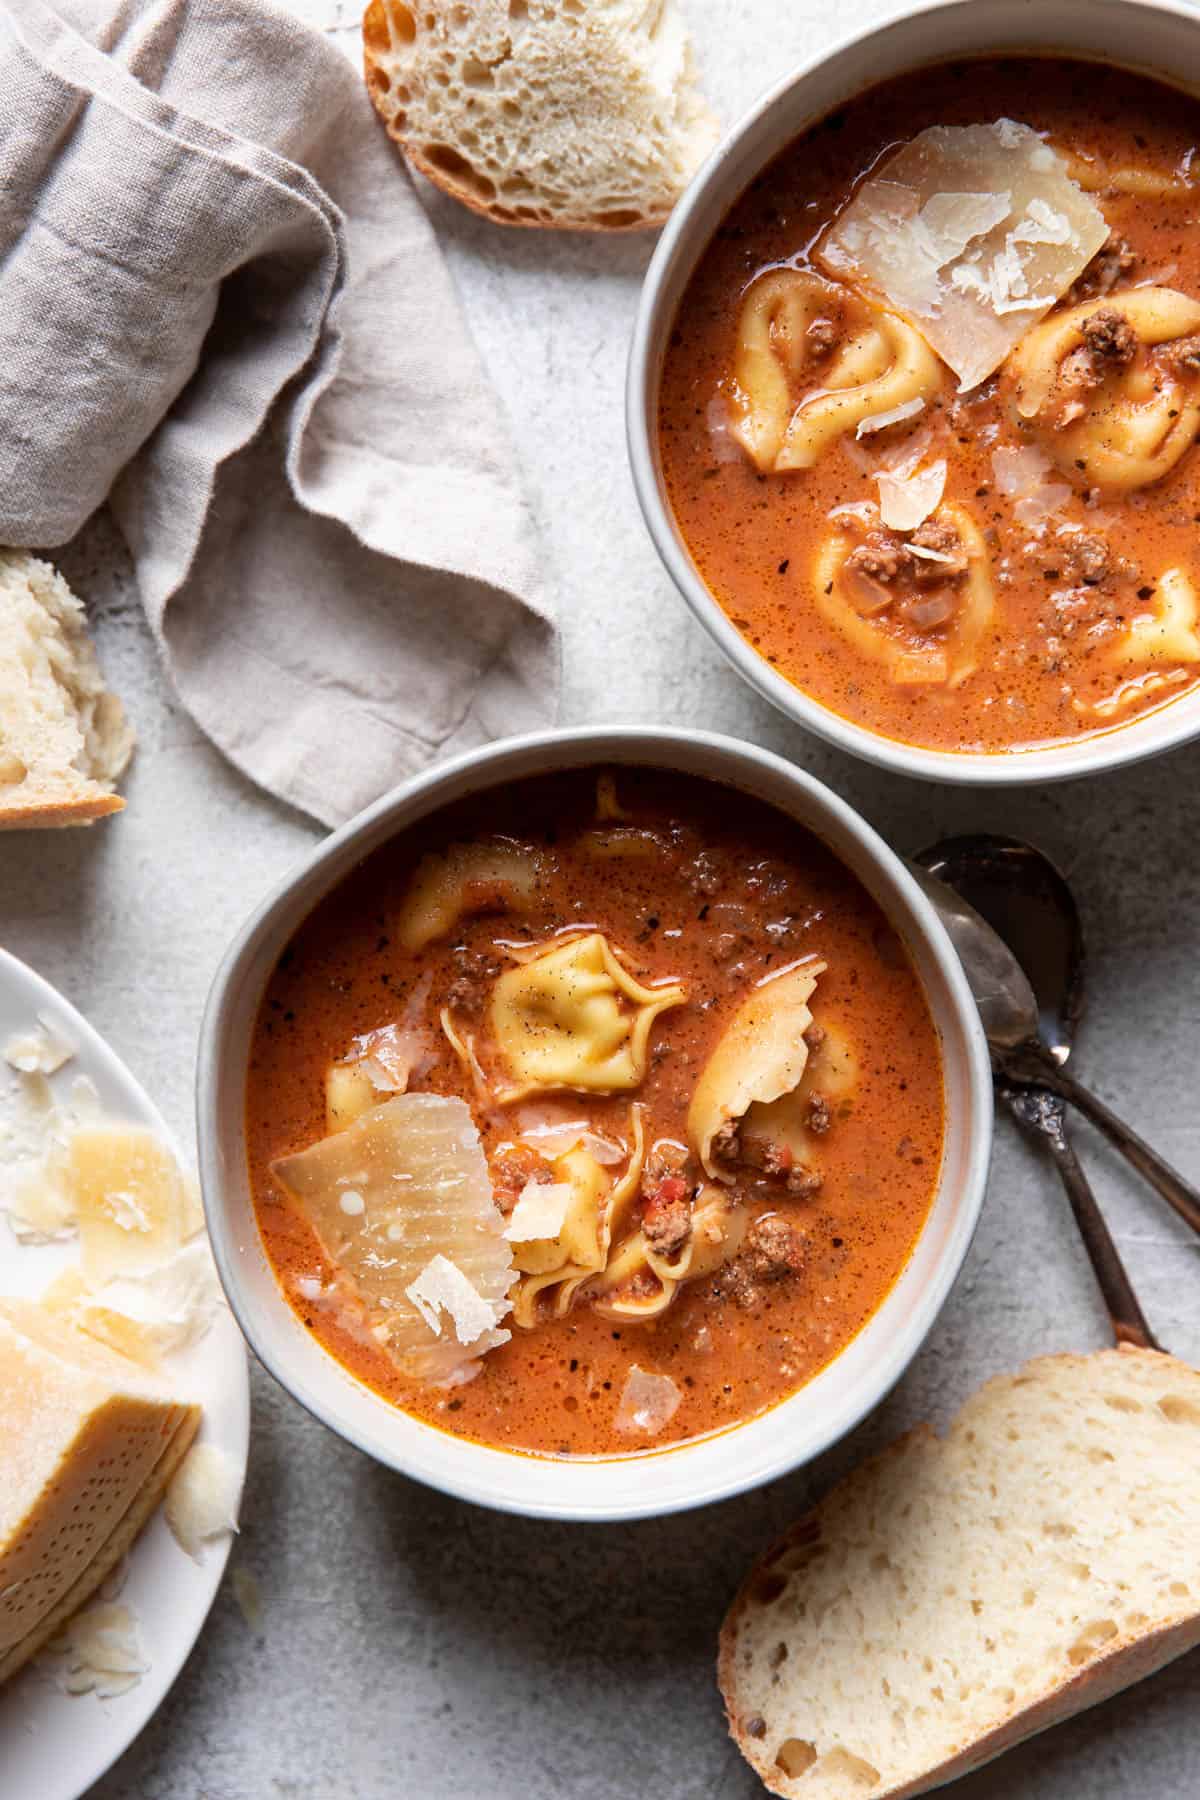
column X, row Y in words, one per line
column 925, row 636
column 1129, row 180
column 789, row 403
column 1111, row 389
column 570, row 1015
column 1168, row 631
column 639, row 1284
column 555, row 1270
column 831, row 1071
column 760, row 1056
column 448, row 885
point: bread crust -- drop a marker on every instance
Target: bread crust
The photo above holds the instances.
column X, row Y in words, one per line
column 1126, row 1661
column 32, row 815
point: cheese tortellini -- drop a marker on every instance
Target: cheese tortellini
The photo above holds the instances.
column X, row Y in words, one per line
column 795, row 391
column 1111, row 389
column 467, row 878
column 926, row 633
column 760, row 1056
column 554, row 1270
column 570, row 1015
column 640, row 1284
column 832, row 1072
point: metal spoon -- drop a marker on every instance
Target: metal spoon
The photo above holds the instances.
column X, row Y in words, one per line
column 1017, row 1013
column 1023, row 897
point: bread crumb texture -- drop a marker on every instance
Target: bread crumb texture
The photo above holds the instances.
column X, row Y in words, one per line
column 64, row 739
column 578, row 115
column 956, row 1595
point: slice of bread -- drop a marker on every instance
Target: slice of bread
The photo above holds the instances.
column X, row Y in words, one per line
column 64, row 739
column 956, row 1595
column 579, row 115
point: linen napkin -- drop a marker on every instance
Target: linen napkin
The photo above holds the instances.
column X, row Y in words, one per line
column 222, row 305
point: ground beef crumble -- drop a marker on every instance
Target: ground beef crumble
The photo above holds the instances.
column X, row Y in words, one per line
column 476, row 970
column 887, row 558
column 774, row 1252
column 1109, row 338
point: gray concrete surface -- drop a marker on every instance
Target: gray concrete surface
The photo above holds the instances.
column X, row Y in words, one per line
column 410, row 1646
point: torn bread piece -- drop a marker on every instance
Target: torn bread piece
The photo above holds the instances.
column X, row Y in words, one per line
column 64, row 738
column 576, row 115
column 973, row 232
column 955, row 1595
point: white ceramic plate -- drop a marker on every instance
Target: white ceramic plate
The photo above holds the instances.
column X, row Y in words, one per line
column 55, row 1745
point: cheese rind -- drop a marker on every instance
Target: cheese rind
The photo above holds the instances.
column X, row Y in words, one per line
column 84, row 1439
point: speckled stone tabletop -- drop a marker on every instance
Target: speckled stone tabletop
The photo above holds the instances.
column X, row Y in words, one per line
column 411, row 1646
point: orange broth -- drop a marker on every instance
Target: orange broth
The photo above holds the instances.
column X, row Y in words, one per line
column 732, row 891
column 753, row 536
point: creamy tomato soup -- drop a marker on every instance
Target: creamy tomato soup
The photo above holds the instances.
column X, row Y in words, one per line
column 928, row 411
column 593, row 1114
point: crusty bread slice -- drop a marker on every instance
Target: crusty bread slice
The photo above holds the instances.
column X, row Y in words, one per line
column 580, row 115
column 954, row 1596
column 64, row 739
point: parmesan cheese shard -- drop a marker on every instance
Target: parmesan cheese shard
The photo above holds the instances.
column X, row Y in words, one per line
column 973, row 232
column 648, row 1403
column 202, row 1500
column 100, row 1652
column 441, row 1287
column 129, row 1198
column 540, row 1212
column 145, row 1316
column 88, row 1443
column 40, row 1051
column 417, row 1164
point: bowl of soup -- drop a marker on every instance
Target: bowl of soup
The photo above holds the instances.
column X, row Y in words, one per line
column 914, row 392
column 595, row 1126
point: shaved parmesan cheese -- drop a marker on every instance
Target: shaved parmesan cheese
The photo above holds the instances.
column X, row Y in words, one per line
column 35, row 1130
column 540, row 1212
column 442, row 1287
column 42, row 1051
column 648, row 1403
column 129, row 1197
column 417, row 1164
column 99, row 1652
column 907, row 409
column 971, row 231
column 906, row 501
column 156, row 1312
column 202, row 1500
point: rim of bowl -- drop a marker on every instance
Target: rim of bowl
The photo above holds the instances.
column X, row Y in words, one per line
column 683, row 242
column 514, row 1481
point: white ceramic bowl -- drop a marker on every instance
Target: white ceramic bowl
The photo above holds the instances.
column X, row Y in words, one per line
column 1158, row 37
column 630, row 1486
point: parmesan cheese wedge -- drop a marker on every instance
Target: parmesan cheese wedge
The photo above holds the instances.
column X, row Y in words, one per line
column 973, row 232
column 88, row 1443
column 394, row 1198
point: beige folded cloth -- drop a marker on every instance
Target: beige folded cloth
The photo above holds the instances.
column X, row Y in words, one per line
column 219, row 292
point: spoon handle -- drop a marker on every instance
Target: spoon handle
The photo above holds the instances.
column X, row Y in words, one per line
column 1178, row 1193
column 1041, row 1118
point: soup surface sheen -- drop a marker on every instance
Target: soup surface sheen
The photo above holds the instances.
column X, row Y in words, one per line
column 692, row 885
column 1084, row 632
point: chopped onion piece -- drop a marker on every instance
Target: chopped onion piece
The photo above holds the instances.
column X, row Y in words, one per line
column 648, row 1403
column 907, row 409
column 906, row 501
